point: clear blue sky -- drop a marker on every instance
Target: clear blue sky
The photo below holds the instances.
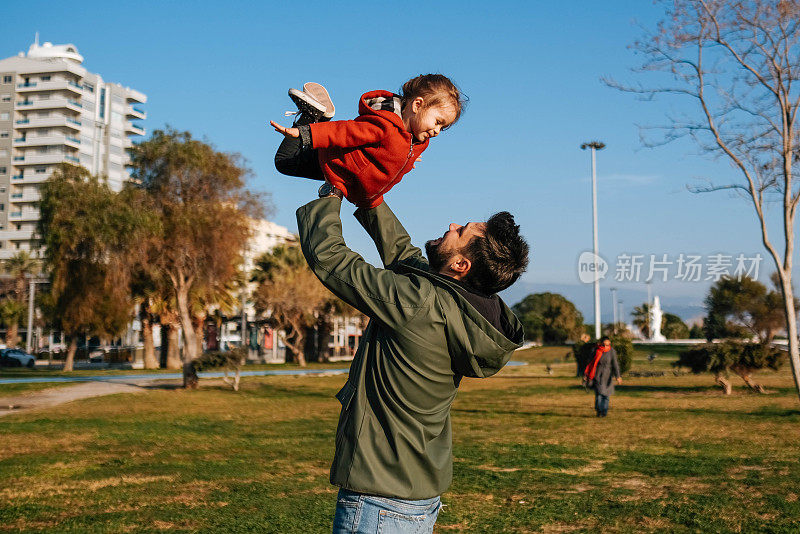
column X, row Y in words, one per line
column 531, row 70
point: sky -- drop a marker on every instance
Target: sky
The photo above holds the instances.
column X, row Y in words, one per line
column 532, row 72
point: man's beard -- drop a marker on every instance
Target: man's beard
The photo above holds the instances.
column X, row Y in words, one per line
column 437, row 258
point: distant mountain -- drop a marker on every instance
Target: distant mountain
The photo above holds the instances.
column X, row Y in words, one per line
column 688, row 308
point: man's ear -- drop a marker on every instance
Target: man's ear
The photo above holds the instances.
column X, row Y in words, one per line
column 460, row 265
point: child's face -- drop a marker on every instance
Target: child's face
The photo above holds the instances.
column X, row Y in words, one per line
column 426, row 122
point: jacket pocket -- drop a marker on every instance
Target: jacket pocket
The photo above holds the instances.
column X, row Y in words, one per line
column 346, row 394
column 359, row 160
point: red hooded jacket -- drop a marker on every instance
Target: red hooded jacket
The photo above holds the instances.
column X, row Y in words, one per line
column 367, row 156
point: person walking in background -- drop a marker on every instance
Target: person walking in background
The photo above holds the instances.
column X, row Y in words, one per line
column 600, row 374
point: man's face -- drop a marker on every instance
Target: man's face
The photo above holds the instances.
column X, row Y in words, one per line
column 440, row 250
column 606, row 343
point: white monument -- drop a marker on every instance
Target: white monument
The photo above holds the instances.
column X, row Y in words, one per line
column 655, row 321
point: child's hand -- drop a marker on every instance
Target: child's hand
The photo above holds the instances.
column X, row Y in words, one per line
column 288, row 132
column 414, row 165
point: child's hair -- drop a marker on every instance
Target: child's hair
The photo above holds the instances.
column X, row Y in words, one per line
column 434, row 89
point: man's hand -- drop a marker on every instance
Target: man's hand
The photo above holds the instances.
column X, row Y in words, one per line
column 288, row 132
column 619, row 380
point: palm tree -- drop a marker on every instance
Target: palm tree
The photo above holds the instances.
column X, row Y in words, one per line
column 641, row 318
column 19, row 266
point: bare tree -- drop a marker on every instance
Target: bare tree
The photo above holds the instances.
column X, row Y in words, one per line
column 738, row 61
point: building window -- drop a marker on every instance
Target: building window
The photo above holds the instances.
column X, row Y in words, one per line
column 45, row 78
column 6, row 98
column 103, row 103
column 3, row 170
column 4, row 134
column 40, row 170
column 6, row 79
column 2, row 207
column 89, row 87
column 3, row 116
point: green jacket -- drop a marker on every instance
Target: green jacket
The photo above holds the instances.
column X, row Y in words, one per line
column 394, row 437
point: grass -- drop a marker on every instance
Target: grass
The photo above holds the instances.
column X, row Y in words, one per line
column 674, row 455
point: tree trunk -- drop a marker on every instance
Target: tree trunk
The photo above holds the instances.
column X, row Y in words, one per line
column 173, row 346
column 190, row 378
column 199, row 332
column 791, row 328
column 150, row 361
column 724, row 382
column 12, row 336
column 73, row 347
column 297, row 345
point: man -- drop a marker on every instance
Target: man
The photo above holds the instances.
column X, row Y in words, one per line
column 431, row 323
column 603, row 368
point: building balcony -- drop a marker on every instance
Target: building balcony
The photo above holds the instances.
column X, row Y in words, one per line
column 25, row 196
column 41, row 122
column 50, row 103
column 132, row 112
column 53, row 85
column 43, row 159
column 67, row 140
column 27, row 214
column 16, row 235
column 31, row 178
column 132, row 95
column 134, row 129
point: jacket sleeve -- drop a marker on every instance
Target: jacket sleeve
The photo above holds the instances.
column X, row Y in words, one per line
column 391, row 298
column 391, row 239
column 615, row 365
column 346, row 134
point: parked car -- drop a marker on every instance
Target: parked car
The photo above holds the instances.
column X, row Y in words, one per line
column 16, row 358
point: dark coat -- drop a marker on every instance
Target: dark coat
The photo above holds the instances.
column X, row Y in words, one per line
column 394, row 437
column 607, row 371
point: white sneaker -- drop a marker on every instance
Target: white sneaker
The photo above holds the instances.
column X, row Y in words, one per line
column 307, row 105
column 320, row 94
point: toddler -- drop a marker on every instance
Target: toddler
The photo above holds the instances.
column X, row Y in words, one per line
column 367, row 156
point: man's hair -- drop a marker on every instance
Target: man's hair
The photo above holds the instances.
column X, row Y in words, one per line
column 498, row 257
column 604, row 339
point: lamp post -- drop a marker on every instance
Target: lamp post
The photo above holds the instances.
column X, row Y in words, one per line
column 595, row 146
column 614, row 305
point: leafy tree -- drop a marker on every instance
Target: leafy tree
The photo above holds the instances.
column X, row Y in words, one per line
column 549, row 318
column 289, row 294
column 673, row 327
column 92, row 237
column 738, row 64
column 199, row 197
column 696, row 332
column 742, row 359
column 740, row 307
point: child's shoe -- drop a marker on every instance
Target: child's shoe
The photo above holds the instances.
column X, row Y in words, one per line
column 320, row 94
column 309, row 109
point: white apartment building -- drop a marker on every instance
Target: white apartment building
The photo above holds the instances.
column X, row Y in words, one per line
column 53, row 110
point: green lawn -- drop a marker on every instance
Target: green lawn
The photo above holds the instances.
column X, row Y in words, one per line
column 674, row 455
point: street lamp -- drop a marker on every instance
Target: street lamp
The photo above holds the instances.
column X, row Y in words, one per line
column 614, row 306
column 595, row 146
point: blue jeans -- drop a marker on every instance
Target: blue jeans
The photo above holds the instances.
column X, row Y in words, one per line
column 357, row 513
column 601, row 404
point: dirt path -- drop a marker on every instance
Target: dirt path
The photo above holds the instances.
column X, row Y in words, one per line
column 46, row 398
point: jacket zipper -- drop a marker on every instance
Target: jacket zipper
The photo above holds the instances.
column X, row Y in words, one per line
column 392, row 182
